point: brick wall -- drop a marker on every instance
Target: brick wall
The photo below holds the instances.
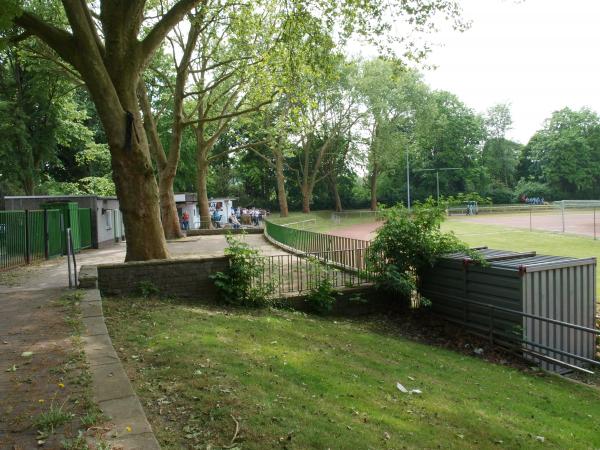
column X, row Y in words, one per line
column 186, row 278
column 213, row 232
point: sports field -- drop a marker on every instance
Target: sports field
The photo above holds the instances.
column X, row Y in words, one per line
column 494, row 231
column 575, row 221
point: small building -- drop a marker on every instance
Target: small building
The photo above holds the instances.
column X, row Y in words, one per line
column 188, row 202
column 222, row 204
column 106, row 218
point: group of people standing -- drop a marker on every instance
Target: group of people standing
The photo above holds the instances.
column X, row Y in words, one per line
column 239, row 216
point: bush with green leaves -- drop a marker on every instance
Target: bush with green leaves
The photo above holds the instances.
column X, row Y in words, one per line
column 408, row 243
column 240, row 284
column 321, row 298
column 461, row 198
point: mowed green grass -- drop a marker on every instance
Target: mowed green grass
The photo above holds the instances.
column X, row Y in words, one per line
column 545, row 243
column 322, row 220
column 301, row 382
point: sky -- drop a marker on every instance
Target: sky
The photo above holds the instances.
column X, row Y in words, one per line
column 537, row 55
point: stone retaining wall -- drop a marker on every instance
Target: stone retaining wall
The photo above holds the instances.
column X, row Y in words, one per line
column 190, row 278
column 186, row 278
column 224, row 231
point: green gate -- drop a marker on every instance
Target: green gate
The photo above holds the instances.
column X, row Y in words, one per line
column 85, row 227
column 69, row 212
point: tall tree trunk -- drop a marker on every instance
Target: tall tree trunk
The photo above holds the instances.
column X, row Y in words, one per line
column 281, row 193
column 167, row 168
column 28, row 184
column 134, row 180
column 334, row 191
column 373, row 180
column 110, row 67
column 168, row 208
column 306, row 194
column 202, row 167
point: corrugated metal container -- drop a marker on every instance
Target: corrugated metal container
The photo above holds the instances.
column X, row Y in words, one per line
column 508, row 298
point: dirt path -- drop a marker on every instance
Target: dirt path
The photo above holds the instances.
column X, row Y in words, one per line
column 33, row 320
column 364, row 231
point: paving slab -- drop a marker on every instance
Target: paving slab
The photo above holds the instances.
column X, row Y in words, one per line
column 99, row 350
column 145, row 441
column 109, row 382
column 94, row 326
column 128, row 413
column 91, row 309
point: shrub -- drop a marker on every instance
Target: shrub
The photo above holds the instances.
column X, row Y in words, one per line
column 531, row 188
column 461, row 198
column 147, row 289
column 408, row 243
column 239, row 284
column 321, row 297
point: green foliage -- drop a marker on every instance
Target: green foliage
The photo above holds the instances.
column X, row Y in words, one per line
column 530, row 188
column 322, row 297
column 565, row 154
column 408, row 243
column 462, row 197
column 51, row 419
column 147, row 289
column 240, row 283
column 77, row 443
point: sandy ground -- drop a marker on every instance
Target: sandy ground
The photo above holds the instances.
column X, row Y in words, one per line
column 364, row 231
column 575, row 222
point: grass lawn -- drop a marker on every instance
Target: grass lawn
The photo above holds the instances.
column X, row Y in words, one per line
column 301, row 382
column 516, row 239
column 323, row 222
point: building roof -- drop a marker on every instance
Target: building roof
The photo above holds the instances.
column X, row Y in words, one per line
column 50, row 197
column 521, row 261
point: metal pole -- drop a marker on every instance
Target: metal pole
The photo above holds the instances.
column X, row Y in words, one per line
column 437, row 183
column 74, row 260
column 594, row 223
column 407, row 180
column 530, row 225
column 563, row 216
column 46, row 237
column 27, row 243
column 68, row 233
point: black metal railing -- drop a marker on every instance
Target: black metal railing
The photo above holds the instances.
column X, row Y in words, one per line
column 301, row 272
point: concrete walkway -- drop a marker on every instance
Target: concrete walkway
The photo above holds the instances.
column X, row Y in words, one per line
column 28, row 292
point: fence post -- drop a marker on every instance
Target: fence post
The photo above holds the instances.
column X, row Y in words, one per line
column 27, row 243
column 46, row 236
column 74, row 260
column 67, row 237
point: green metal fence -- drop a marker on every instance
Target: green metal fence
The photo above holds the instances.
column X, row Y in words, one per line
column 348, row 252
column 85, row 227
column 12, row 238
column 56, row 236
column 36, row 235
column 28, row 236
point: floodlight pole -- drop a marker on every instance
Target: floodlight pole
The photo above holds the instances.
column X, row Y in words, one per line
column 437, row 177
column 407, row 179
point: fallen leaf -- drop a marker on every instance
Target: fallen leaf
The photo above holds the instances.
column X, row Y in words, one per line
column 401, row 388
column 27, row 354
